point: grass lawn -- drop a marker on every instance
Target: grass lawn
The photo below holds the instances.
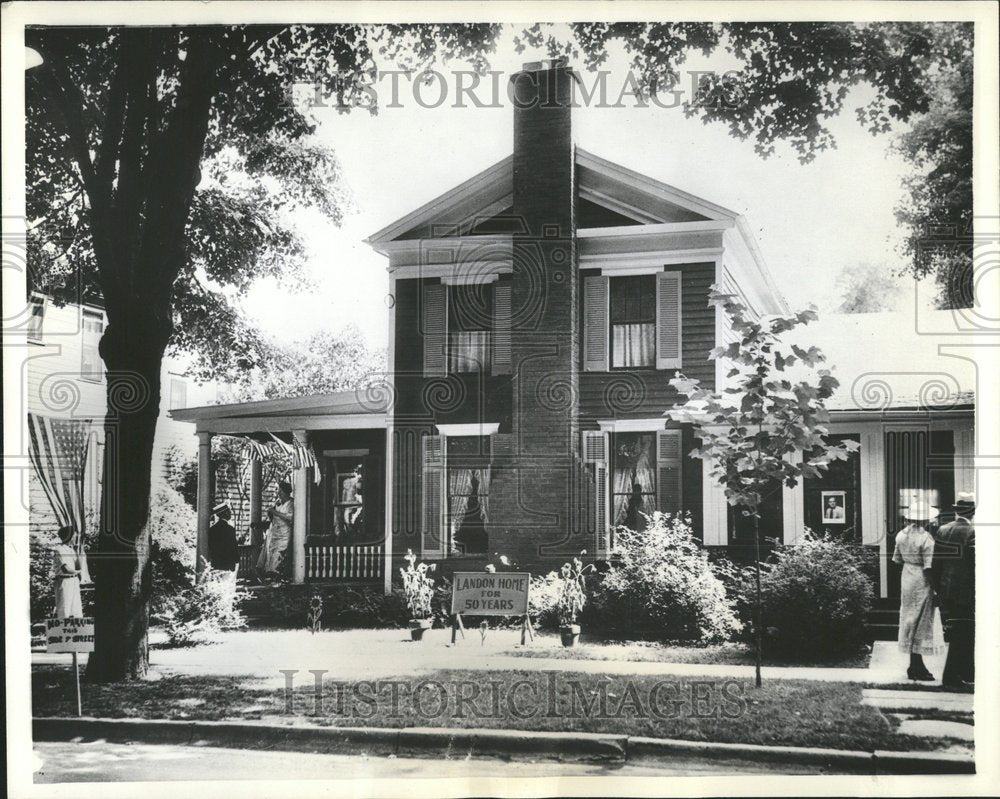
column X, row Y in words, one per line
column 787, row 712
column 548, row 646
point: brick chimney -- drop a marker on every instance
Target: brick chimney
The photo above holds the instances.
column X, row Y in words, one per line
column 544, row 331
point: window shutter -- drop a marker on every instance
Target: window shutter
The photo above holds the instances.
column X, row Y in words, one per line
column 595, row 324
column 501, row 329
column 595, row 451
column 668, row 465
column 435, row 330
column 668, row 320
column 434, row 477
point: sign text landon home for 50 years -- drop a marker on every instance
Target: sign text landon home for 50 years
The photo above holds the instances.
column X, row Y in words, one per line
column 486, row 594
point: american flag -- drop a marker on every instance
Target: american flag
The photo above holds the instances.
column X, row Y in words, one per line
column 58, row 451
column 302, row 457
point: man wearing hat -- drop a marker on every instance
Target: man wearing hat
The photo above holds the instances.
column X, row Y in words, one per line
column 223, row 553
column 955, row 580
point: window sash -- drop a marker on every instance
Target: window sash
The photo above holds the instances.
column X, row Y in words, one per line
column 469, row 351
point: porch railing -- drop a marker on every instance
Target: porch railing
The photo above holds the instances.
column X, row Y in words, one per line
column 329, row 562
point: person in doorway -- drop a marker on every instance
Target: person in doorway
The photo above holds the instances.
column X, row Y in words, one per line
column 955, row 581
column 919, row 622
column 223, row 552
column 66, row 570
column 279, row 533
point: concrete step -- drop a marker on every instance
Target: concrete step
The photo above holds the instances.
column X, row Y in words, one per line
column 882, row 632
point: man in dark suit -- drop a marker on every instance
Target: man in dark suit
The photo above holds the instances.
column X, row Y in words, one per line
column 955, row 581
column 223, row 552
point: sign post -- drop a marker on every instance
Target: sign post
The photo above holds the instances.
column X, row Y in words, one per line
column 75, row 635
column 490, row 594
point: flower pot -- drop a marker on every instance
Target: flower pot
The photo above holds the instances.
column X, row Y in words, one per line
column 570, row 634
column 418, row 627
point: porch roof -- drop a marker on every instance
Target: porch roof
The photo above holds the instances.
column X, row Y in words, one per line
column 343, row 410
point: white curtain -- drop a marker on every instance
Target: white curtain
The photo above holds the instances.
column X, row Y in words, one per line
column 459, row 485
column 634, row 344
column 469, row 350
column 484, row 492
column 645, row 473
column 622, row 489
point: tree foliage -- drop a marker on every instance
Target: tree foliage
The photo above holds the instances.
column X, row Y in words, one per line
column 325, row 362
column 937, row 205
column 792, row 77
column 867, row 288
column 763, row 430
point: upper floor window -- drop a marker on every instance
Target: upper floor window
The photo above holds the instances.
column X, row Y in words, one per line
column 36, row 320
column 90, row 356
column 178, row 393
column 465, row 328
column 470, row 320
column 633, row 321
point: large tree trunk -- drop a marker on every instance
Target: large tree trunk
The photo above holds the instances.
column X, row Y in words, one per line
column 122, row 578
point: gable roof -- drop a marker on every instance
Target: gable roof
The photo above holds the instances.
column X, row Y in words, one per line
column 629, row 195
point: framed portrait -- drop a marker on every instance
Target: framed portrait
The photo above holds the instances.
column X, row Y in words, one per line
column 834, row 507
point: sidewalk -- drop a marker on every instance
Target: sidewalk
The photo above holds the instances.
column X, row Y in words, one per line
column 374, row 654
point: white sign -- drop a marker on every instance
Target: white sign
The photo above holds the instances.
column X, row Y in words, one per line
column 486, row 594
column 69, row 635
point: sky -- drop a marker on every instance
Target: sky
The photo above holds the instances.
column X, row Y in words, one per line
column 810, row 221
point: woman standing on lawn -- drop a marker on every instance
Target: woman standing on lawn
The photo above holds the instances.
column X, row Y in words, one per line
column 919, row 623
column 66, row 570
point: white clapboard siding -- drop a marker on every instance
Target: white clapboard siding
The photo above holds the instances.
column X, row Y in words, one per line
column 595, row 324
column 668, row 465
column 502, row 355
column 434, row 311
column 668, row 320
column 433, row 462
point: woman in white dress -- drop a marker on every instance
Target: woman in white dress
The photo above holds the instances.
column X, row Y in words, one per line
column 279, row 533
column 66, row 570
column 920, row 631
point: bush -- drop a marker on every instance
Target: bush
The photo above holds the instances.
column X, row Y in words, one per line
column 210, row 606
column 815, row 597
column 664, row 587
column 173, row 527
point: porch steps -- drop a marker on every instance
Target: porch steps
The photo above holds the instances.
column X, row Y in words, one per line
column 882, row 623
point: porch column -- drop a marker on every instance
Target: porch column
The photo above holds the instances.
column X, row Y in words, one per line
column 204, row 498
column 300, row 504
column 256, row 500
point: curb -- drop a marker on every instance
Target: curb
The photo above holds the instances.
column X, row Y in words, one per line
column 468, row 742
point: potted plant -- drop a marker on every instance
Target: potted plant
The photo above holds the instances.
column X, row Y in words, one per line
column 572, row 598
column 418, row 589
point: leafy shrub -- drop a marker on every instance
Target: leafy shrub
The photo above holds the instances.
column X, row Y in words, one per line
column 815, row 597
column 664, row 587
column 173, row 526
column 543, row 600
column 209, row 606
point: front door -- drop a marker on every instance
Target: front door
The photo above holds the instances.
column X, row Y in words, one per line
column 919, row 464
column 352, row 500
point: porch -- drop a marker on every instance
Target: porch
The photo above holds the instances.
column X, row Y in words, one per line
column 335, row 449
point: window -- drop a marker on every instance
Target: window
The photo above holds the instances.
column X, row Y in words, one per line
column 90, row 357
column 36, row 319
column 633, row 321
column 468, row 470
column 345, row 487
column 178, row 393
column 633, row 487
column 470, row 317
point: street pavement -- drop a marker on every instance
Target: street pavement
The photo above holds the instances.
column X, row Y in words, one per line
column 99, row 761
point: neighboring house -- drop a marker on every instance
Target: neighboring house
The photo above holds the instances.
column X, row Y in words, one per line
column 65, row 380
column 539, row 311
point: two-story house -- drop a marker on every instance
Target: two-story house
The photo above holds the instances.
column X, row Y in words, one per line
column 538, row 312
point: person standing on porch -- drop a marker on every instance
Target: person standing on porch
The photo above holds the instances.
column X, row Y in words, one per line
column 66, row 571
column 279, row 533
column 955, row 580
column 919, row 622
column 223, row 552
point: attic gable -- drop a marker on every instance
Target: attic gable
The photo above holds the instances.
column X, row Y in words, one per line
column 608, row 195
